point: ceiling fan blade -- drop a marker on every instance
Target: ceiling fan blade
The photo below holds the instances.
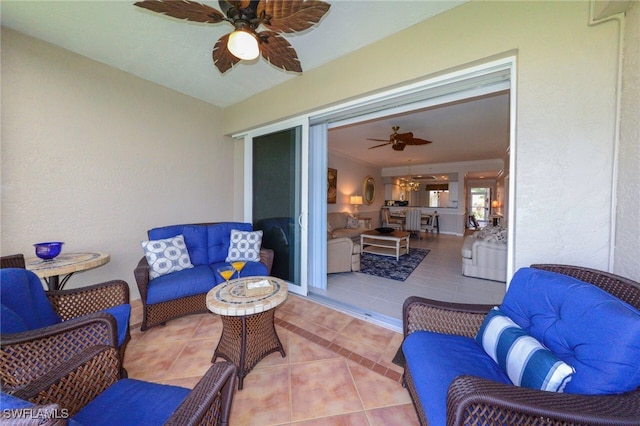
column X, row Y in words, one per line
column 185, row 9
column 293, row 16
column 402, row 136
column 416, row 141
column 222, row 58
column 379, row 140
column 278, row 51
column 382, row 144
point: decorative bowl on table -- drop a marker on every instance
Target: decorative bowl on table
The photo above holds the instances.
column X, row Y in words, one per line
column 385, row 230
column 48, row 251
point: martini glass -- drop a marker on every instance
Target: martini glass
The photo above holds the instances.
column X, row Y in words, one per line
column 238, row 265
column 226, row 272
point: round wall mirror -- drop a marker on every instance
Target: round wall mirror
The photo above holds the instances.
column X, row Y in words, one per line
column 369, row 190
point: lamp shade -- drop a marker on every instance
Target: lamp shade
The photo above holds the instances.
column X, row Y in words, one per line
column 356, row 200
column 495, row 204
column 243, row 45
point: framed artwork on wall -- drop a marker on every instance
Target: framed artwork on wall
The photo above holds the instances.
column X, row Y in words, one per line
column 332, row 185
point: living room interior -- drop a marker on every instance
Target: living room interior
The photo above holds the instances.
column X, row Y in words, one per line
column 96, row 153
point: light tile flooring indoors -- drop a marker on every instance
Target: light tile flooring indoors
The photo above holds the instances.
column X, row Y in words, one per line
column 439, row 276
column 338, row 368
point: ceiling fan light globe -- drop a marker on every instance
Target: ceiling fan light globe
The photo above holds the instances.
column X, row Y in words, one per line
column 243, row 45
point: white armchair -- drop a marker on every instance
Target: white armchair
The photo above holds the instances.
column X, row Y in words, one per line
column 343, row 255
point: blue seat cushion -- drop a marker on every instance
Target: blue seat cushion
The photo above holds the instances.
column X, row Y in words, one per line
column 121, row 313
column 24, row 303
column 251, row 269
column 435, row 359
column 589, row 329
column 188, row 282
column 132, row 402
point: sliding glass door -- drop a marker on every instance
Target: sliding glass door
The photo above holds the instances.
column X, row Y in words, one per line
column 279, row 198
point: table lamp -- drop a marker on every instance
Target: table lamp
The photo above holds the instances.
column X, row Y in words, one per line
column 356, row 200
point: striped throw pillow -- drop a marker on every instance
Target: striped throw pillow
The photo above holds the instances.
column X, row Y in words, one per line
column 525, row 360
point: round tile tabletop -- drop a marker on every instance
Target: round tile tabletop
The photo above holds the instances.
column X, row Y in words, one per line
column 247, row 296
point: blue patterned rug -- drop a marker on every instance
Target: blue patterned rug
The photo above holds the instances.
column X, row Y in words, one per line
column 389, row 267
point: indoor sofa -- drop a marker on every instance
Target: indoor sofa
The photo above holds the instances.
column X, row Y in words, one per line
column 343, row 224
column 484, row 254
column 184, row 291
column 562, row 348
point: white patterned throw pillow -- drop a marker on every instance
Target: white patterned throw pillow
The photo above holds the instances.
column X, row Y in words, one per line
column 244, row 246
column 166, row 256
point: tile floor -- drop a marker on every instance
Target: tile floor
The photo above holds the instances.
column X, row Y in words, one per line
column 338, row 368
column 337, row 371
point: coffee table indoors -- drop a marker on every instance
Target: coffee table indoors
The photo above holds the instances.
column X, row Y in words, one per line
column 394, row 244
column 247, row 307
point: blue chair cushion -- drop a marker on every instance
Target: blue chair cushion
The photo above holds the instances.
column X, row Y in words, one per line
column 195, row 238
column 436, row 359
column 132, row 402
column 251, row 269
column 121, row 313
column 188, row 282
column 24, row 303
column 589, row 329
column 219, row 239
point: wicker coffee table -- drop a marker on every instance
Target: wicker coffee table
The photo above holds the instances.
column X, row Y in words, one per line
column 247, row 308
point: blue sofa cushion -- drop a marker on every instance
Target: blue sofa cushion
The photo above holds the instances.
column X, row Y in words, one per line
column 251, row 269
column 523, row 358
column 195, row 237
column 219, row 237
column 436, row 359
column 589, row 329
column 121, row 313
column 188, row 282
column 24, row 303
column 132, row 402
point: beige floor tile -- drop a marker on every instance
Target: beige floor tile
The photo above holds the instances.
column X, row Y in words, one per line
column 369, row 334
column 352, row 419
column 400, row 415
column 376, row 392
column 302, row 350
column 264, row 400
column 328, row 318
column 322, row 389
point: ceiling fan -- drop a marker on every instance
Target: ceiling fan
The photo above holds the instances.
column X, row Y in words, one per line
column 399, row 141
column 276, row 16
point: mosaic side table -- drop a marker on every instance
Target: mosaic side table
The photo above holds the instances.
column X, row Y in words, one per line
column 247, row 308
column 66, row 264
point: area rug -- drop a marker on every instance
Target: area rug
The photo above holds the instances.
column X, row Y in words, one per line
column 389, row 267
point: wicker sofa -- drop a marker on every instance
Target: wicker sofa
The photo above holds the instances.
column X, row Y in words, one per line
column 184, row 292
column 591, row 323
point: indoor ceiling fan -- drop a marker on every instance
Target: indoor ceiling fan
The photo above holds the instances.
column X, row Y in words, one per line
column 277, row 17
column 399, row 140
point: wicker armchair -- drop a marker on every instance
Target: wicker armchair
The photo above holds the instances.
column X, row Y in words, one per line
column 477, row 401
column 12, row 261
column 88, row 386
column 28, row 354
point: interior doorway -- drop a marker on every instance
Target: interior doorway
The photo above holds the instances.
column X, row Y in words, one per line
column 479, row 204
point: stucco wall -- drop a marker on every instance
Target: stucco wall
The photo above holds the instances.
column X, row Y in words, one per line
column 627, row 261
column 565, row 121
column 94, row 157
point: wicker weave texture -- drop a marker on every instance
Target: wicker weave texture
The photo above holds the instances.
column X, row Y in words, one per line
column 246, row 340
column 12, row 261
column 85, row 300
column 27, row 356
